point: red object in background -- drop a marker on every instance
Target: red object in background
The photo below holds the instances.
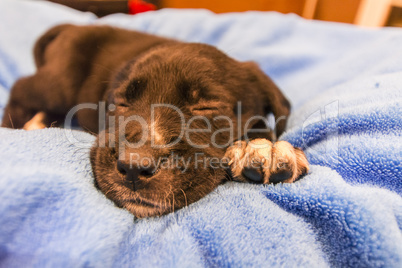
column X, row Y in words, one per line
column 139, row 6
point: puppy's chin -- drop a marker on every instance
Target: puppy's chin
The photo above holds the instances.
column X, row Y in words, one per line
column 168, row 190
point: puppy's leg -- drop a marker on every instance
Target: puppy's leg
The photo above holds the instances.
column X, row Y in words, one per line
column 261, row 161
column 34, row 94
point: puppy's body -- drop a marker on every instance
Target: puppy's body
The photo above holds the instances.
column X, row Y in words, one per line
column 195, row 87
column 74, row 65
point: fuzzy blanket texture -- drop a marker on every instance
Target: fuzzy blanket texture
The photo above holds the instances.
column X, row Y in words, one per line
column 345, row 85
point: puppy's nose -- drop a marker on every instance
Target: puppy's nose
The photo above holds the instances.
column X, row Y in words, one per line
column 126, row 170
column 132, row 172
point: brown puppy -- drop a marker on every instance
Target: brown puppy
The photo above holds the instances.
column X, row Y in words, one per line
column 167, row 114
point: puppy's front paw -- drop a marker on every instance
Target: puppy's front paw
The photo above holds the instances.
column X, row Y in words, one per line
column 260, row 161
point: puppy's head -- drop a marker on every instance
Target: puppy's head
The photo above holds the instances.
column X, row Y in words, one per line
column 172, row 112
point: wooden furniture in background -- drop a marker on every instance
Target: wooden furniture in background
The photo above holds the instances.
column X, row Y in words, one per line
column 331, row 10
column 371, row 13
column 361, row 12
column 309, row 9
column 283, row 6
column 375, row 13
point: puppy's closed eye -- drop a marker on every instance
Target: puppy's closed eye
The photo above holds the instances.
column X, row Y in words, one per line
column 122, row 104
column 208, row 108
column 205, row 110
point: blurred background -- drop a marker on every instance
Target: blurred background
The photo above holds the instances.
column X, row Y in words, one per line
column 372, row 13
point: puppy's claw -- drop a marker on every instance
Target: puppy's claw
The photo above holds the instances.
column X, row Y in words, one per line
column 260, row 161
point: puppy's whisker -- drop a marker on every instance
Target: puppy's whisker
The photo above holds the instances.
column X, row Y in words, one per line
column 11, row 120
column 104, row 67
column 173, row 202
column 81, row 153
column 215, row 178
column 90, row 131
column 185, row 196
column 227, row 51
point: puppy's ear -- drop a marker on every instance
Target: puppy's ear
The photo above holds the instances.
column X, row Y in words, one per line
column 45, row 40
column 274, row 101
column 118, row 78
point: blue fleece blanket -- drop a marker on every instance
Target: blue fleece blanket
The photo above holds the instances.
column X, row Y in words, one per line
column 345, row 85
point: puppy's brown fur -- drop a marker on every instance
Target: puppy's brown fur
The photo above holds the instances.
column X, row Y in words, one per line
column 132, row 71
